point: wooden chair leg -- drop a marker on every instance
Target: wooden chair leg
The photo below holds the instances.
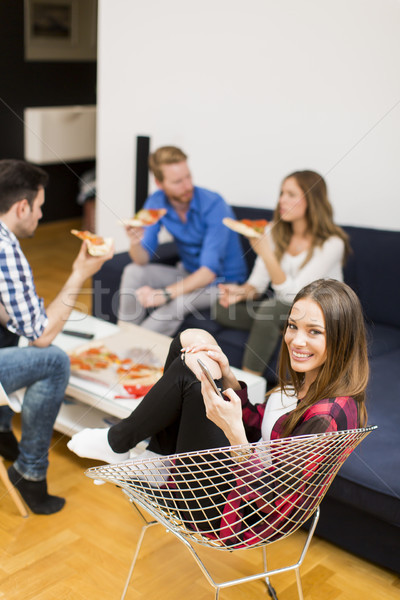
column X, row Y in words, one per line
column 11, row 490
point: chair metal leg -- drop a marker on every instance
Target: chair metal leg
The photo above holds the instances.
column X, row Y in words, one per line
column 138, row 545
column 304, row 552
column 270, row 588
column 145, row 527
column 299, row 586
column 295, row 567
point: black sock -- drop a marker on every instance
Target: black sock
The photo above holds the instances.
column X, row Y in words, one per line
column 35, row 494
column 8, row 445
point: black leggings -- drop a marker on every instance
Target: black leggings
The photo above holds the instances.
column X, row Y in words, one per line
column 172, row 414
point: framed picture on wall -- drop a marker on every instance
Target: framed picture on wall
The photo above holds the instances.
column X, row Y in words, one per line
column 60, row 30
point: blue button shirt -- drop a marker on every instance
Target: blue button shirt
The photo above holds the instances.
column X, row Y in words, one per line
column 203, row 240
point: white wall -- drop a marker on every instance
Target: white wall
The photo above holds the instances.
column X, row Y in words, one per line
column 252, row 91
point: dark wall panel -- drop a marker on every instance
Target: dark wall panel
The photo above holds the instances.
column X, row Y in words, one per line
column 28, row 83
column 142, row 170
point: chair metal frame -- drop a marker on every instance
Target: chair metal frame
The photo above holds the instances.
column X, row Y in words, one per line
column 279, row 485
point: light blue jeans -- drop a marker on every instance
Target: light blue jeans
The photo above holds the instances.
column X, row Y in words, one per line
column 45, row 373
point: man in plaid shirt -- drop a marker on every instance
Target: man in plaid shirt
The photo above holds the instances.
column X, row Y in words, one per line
column 41, row 368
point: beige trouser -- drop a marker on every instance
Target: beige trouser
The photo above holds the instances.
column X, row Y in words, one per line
column 167, row 318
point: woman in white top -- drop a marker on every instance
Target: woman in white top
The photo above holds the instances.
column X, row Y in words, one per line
column 302, row 244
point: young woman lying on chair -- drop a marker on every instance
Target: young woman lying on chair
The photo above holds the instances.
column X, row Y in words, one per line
column 323, row 373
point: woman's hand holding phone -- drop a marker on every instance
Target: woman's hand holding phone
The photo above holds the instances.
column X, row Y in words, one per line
column 228, row 378
column 207, row 373
column 227, row 415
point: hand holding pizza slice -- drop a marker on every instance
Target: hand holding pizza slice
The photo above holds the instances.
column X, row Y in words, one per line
column 247, row 227
column 146, row 217
column 96, row 245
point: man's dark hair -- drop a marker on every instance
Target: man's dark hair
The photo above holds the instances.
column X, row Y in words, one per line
column 18, row 180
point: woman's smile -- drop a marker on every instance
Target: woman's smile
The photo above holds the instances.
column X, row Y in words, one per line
column 300, row 355
column 305, row 337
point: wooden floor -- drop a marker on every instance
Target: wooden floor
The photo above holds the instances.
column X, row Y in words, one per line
column 84, row 552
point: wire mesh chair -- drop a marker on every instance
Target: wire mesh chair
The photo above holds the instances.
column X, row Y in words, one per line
column 235, row 497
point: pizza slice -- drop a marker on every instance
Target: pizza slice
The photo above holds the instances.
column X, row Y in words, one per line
column 93, row 358
column 96, row 245
column 99, row 364
column 146, row 217
column 249, row 227
column 143, row 375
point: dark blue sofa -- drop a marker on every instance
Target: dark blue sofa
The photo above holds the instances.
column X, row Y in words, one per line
column 361, row 512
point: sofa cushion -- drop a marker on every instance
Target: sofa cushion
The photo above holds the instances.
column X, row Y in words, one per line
column 106, row 287
column 369, row 480
column 382, row 339
column 360, row 533
column 372, row 272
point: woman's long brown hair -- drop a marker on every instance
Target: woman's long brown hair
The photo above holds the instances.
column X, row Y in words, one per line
column 319, row 216
column 346, row 370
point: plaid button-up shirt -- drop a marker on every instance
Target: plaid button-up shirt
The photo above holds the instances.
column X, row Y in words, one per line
column 328, row 414
column 25, row 310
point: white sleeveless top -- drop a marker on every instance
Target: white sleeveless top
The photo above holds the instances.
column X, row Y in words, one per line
column 278, row 404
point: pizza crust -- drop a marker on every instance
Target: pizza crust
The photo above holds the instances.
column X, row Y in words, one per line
column 240, row 228
column 149, row 379
column 99, row 249
column 132, row 223
column 136, row 221
column 94, row 249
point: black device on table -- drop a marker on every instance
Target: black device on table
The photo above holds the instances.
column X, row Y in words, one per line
column 80, row 334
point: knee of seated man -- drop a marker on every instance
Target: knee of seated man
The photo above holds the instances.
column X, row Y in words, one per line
column 133, row 275
column 60, row 360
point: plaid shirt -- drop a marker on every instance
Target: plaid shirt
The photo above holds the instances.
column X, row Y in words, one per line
column 18, row 296
column 331, row 414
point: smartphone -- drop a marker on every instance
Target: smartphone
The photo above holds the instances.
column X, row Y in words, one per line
column 209, row 377
column 80, row 334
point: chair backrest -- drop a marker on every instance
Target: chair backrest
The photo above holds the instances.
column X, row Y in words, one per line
column 237, row 496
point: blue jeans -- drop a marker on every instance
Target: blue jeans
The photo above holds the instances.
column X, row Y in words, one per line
column 45, row 373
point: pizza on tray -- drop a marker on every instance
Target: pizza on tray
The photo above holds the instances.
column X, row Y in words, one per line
column 248, row 227
column 99, row 364
column 93, row 359
column 146, row 217
column 96, row 245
